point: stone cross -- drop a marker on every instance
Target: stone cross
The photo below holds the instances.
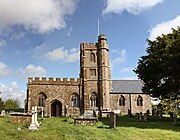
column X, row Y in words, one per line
column 33, row 125
column 35, row 116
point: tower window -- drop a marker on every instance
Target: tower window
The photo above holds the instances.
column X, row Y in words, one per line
column 92, row 57
column 122, row 101
column 93, row 100
column 139, row 101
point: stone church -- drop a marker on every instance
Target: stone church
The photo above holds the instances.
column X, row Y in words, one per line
column 94, row 88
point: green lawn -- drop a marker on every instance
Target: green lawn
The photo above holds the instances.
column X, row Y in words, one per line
column 127, row 129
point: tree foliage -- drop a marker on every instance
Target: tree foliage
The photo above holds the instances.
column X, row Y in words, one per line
column 160, row 68
column 11, row 104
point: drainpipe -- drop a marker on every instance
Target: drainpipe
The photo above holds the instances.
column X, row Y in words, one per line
column 130, row 108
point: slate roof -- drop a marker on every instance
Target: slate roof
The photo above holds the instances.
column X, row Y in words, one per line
column 127, row 86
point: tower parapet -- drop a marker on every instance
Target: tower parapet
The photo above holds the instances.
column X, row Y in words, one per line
column 53, row 81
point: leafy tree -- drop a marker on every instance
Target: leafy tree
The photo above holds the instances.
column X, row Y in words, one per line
column 169, row 106
column 160, row 68
column 1, row 104
column 11, row 104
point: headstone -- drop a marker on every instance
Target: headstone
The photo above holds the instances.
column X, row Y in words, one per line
column 175, row 118
column 137, row 116
column 140, row 116
column 129, row 113
column 42, row 112
column 145, row 116
column 112, row 120
column 160, row 113
column 3, row 113
column 35, row 116
column 33, row 125
column 148, row 114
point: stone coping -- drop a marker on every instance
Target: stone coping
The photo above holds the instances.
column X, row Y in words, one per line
column 20, row 114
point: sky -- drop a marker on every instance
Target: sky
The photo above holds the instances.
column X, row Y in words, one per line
column 41, row 38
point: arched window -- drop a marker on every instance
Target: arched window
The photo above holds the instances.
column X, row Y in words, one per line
column 92, row 57
column 42, row 97
column 74, row 100
column 139, row 101
column 93, row 100
column 122, row 101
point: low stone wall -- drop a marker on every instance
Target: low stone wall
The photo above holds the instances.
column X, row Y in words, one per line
column 20, row 118
column 85, row 121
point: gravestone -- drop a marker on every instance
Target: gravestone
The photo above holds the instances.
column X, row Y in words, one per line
column 35, row 116
column 175, row 118
column 112, row 120
column 145, row 116
column 148, row 114
column 137, row 116
column 33, row 125
column 160, row 113
column 140, row 116
column 3, row 113
column 129, row 113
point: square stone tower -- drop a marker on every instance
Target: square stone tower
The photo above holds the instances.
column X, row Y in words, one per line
column 95, row 74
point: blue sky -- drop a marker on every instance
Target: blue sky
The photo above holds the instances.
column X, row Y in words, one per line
column 42, row 38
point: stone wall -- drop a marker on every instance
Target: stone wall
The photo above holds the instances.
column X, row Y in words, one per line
column 114, row 103
column 54, row 90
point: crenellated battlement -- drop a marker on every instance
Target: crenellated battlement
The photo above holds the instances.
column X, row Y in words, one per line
column 54, row 81
column 88, row 46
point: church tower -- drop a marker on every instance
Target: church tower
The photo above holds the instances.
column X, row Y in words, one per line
column 104, row 75
column 95, row 74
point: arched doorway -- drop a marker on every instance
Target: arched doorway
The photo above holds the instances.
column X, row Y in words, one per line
column 56, row 109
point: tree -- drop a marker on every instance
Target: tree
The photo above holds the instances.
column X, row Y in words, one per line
column 11, row 104
column 1, row 104
column 160, row 68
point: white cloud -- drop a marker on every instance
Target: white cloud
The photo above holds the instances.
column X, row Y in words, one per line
column 32, row 71
column 131, row 6
column 60, row 54
column 69, row 31
column 4, row 70
column 126, row 69
column 164, row 28
column 38, row 16
column 121, row 56
column 3, row 43
column 39, row 50
column 12, row 91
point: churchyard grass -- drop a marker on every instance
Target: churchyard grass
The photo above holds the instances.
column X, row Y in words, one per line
column 58, row 128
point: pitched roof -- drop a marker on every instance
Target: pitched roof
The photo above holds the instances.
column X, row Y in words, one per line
column 127, row 86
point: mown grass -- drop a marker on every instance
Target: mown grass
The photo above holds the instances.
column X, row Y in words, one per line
column 58, row 128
